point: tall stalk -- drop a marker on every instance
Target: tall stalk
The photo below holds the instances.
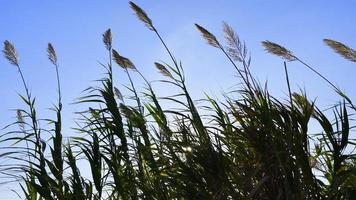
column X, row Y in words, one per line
column 288, row 84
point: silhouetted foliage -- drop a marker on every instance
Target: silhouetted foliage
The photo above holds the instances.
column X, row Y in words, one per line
column 254, row 146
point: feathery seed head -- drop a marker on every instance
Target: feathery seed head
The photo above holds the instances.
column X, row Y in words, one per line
column 51, row 54
column 341, row 49
column 141, row 14
column 235, row 48
column 163, row 70
column 10, row 53
column 229, row 34
column 208, row 36
column 122, row 61
column 278, row 50
column 107, row 39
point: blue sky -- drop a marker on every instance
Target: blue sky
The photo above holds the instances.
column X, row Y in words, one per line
column 75, row 28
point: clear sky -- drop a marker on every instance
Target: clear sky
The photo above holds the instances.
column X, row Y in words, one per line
column 75, row 28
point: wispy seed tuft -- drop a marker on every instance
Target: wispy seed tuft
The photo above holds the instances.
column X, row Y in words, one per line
column 343, row 50
column 141, row 14
column 122, row 61
column 235, row 47
column 278, row 50
column 163, row 70
column 107, row 39
column 208, row 36
column 51, row 54
column 10, row 53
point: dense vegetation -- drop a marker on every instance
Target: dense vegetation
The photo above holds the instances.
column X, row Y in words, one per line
column 249, row 146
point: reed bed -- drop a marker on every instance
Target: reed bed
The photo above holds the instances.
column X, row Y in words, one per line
column 250, row 146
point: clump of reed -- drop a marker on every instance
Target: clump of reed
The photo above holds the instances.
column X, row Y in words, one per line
column 251, row 147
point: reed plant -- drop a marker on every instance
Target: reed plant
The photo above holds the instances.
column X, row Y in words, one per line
column 251, row 145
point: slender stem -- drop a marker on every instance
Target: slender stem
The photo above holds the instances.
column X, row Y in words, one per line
column 135, row 92
column 329, row 82
column 181, row 76
column 237, row 69
column 288, row 84
column 28, row 97
column 24, row 83
column 32, row 110
column 232, row 62
column 148, row 83
column 247, row 71
column 165, row 46
column 110, row 67
column 170, row 54
column 111, row 136
column 59, row 88
column 323, row 77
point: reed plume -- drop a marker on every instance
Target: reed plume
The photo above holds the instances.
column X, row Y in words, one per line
column 107, row 39
column 278, row 50
column 210, row 38
column 10, row 53
column 235, row 48
column 122, row 61
column 163, row 70
column 342, row 49
column 51, row 54
column 141, row 14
